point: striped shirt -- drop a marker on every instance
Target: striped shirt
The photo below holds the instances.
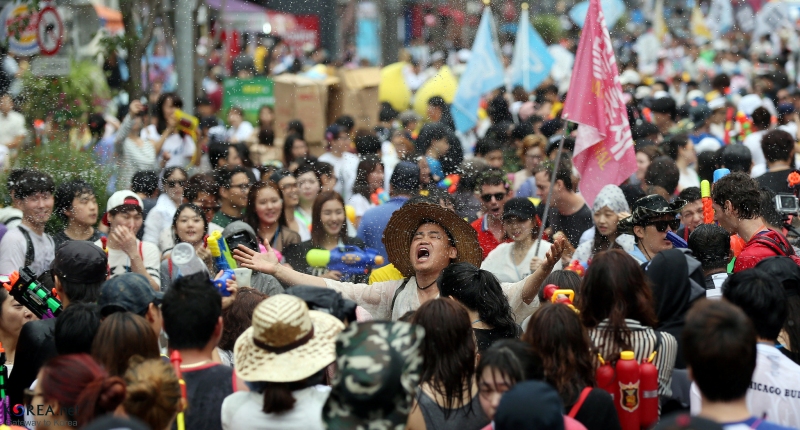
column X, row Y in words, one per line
column 131, row 157
column 643, row 340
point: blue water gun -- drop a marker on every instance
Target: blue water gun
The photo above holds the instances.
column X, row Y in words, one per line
column 350, row 260
column 222, row 258
column 676, row 240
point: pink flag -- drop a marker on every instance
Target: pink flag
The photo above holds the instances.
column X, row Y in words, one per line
column 604, row 152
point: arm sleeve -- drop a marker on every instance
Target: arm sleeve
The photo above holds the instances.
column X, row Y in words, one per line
column 267, row 284
column 122, row 134
column 166, row 278
column 518, row 306
column 153, row 226
column 12, row 252
column 375, row 299
column 152, row 261
column 665, row 362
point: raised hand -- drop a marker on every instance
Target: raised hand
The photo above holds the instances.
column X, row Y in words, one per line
column 265, row 263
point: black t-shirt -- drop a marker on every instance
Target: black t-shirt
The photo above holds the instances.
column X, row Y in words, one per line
column 597, row 411
column 776, row 181
column 486, row 337
column 62, row 238
column 206, row 388
column 572, row 225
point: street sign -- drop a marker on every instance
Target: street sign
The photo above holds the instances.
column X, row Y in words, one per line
column 248, row 94
column 49, row 31
column 18, row 26
column 50, row 66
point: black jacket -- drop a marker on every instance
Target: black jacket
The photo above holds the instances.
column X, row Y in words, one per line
column 36, row 345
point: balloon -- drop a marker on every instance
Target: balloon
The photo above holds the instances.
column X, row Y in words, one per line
column 350, row 213
column 393, row 88
column 442, row 84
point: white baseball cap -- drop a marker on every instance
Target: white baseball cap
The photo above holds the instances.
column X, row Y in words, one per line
column 122, row 198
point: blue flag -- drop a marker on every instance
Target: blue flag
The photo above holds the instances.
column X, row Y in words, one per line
column 532, row 62
column 484, row 73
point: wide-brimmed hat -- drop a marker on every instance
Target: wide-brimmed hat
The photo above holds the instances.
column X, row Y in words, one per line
column 404, row 223
column 379, row 368
column 647, row 208
column 287, row 342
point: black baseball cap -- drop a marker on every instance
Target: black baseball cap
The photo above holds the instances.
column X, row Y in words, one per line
column 128, row 292
column 80, row 262
column 405, row 177
column 519, row 207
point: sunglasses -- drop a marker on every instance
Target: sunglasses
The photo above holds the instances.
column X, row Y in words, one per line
column 662, row 226
column 497, row 196
column 172, row 184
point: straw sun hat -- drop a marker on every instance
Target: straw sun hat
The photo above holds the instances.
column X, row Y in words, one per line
column 404, row 223
column 287, row 342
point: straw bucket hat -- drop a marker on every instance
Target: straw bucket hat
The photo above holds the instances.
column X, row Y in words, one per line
column 287, row 342
column 404, row 223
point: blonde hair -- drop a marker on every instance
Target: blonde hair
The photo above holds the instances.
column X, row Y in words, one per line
column 532, row 141
column 154, row 394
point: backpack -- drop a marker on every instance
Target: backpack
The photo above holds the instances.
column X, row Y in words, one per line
column 781, row 248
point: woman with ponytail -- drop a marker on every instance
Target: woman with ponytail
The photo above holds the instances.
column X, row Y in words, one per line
column 479, row 291
column 77, row 390
column 154, row 394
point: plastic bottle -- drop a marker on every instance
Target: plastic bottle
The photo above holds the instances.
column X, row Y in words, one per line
column 648, row 409
column 185, row 257
column 606, row 378
column 627, row 397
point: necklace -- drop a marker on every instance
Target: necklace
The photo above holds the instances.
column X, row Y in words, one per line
column 425, row 288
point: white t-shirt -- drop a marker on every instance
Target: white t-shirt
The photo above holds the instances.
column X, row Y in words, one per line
column 243, row 409
column 345, row 169
column 159, row 218
column 14, row 246
column 241, row 133
column 11, row 127
column 360, row 204
column 119, row 262
column 716, row 293
column 180, row 149
column 773, row 393
column 688, row 179
column 790, row 128
column 753, row 143
column 501, row 262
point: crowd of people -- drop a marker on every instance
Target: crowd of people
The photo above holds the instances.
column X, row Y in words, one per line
column 453, row 324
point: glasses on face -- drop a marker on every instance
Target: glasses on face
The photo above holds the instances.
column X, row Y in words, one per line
column 172, row 184
column 208, row 209
column 244, row 187
column 497, row 196
column 662, row 226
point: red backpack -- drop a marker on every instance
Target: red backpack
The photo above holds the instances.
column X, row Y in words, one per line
column 782, row 248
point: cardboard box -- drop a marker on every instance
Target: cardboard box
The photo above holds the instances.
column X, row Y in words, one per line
column 298, row 97
column 356, row 95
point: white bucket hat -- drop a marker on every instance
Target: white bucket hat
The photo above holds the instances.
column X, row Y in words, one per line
column 287, row 342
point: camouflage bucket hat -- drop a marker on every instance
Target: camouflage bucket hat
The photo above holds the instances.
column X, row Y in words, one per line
column 647, row 208
column 379, row 368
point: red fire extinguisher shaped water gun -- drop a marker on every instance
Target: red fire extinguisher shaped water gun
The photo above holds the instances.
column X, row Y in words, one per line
column 648, row 389
column 606, row 377
column 626, row 397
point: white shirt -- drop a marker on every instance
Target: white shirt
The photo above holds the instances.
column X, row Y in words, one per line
column 119, row 262
column 345, row 169
column 241, row 133
column 11, row 127
column 360, row 204
column 159, row 218
column 716, row 293
column 243, row 409
column 14, row 246
column 790, row 128
column 688, row 179
column 180, row 149
column 753, row 143
column 773, row 390
column 501, row 261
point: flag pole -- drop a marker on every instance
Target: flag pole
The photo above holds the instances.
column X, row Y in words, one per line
column 552, row 184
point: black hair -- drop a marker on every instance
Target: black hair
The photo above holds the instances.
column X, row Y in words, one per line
column 563, row 171
column 721, row 81
column 308, row 165
column 480, row 291
column 13, row 179
column 166, row 173
column 177, row 102
column 346, row 122
column 177, row 215
column 743, row 193
column 217, row 151
column 387, row 112
column 288, row 146
column 490, row 177
column 324, row 169
column 769, row 213
column 663, row 172
column 429, row 132
column 761, row 118
column 296, row 127
column 200, row 183
column 76, row 328
column 67, row 192
column 690, row 194
column 719, row 344
column 516, row 360
column 223, row 177
column 736, row 158
column 33, row 182
column 81, row 292
column 438, row 195
column 707, row 163
column 368, row 145
column 191, row 309
column 485, row 146
column 777, row 145
column 711, row 245
column 145, row 182
column 564, row 280
column 761, row 297
column 672, row 145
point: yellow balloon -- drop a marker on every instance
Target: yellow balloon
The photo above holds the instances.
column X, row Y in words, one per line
column 350, row 213
column 443, row 84
column 393, row 88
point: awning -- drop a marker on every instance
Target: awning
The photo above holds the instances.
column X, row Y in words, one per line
column 109, row 18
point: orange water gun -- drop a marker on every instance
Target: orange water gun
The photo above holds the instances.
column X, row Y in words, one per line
column 745, row 123
column 708, row 209
column 176, row 360
column 647, row 114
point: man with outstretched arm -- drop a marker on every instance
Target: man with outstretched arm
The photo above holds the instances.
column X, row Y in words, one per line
column 421, row 239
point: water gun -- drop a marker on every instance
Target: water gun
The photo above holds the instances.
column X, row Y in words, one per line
column 745, row 123
column 676, row 240
column 708, row 210
column 450, row 182
column 647, row 114
column 793, row 179
column 348, row 259
column 25, row 289
column 379, row 197
column 720, row 173
column 186, row 123
column 728, row 125
column 555, row 295
column 5, row 417
column 222, row 258
column 176, row 360
column 577, row 267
